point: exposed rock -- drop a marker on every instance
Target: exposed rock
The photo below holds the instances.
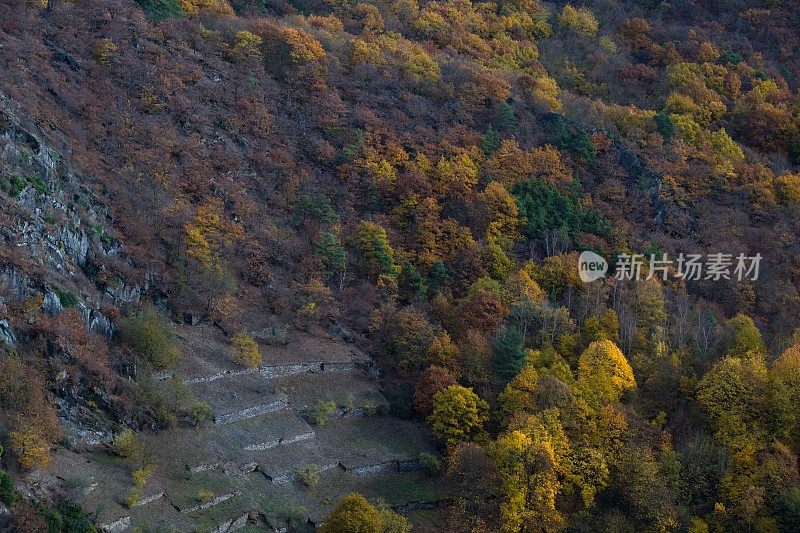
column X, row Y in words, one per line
column 82, row 430
column 76, row 244
column 117, row 526
column 62, row 56
column 639, row 172
column 124, row 293
column 163, row 376
column 5, row 516
column 52, row 303
column 203, row 467
column 277, row 442
column 58, row 222
column 7, row 334
column 96, row 321
column 233, row 524
column 191, row 319
column 342, row 333
column 348, row 366
column 15, row 282
column 287, row 370
column 272, row 334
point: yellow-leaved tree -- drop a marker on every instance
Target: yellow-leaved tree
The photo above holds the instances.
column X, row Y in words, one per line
column 580, row 20
column 785, row 396
column 747, row 340
column 518, row 395
column 530, row 459
column 245, row 350
column 376, row 253
column 32, row 450
column 355, row 514
column 604, row 373
column 29, row 417
column 458, row 415
column 215, row 7
column 734, row 396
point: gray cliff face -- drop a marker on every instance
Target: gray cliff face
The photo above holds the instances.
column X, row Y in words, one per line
column 58, row 231
column 59, row 251
column 7, row 334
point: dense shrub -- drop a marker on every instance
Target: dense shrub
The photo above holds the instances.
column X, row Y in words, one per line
column 309, row 474
column 320, row 413
column 245, row 350
column 152, row 337
column 8, row 494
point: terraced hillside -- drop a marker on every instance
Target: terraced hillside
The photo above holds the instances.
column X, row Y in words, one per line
column 241, row 468
column 332, row 206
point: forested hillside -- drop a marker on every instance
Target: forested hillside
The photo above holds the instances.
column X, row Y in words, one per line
column 349, row 231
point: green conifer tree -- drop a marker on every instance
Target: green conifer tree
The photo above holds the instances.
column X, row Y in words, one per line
column 505, row 119
column 509, row 353
column 410, row 283
column 490, row 142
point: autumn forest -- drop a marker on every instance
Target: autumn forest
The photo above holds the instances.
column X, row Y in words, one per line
column 334, row 245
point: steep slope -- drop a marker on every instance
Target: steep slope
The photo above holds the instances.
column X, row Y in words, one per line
column 387, row 199
column 241, row 467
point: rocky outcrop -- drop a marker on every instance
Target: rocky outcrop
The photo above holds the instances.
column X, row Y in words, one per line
column 7, row 336
column 58, row 225
column 117, row 526
column 96, row 321
column 82, row 428
column 61, row 238
column 233, row 524
column 15, row 282
column 644, row 177
column 5, row 517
